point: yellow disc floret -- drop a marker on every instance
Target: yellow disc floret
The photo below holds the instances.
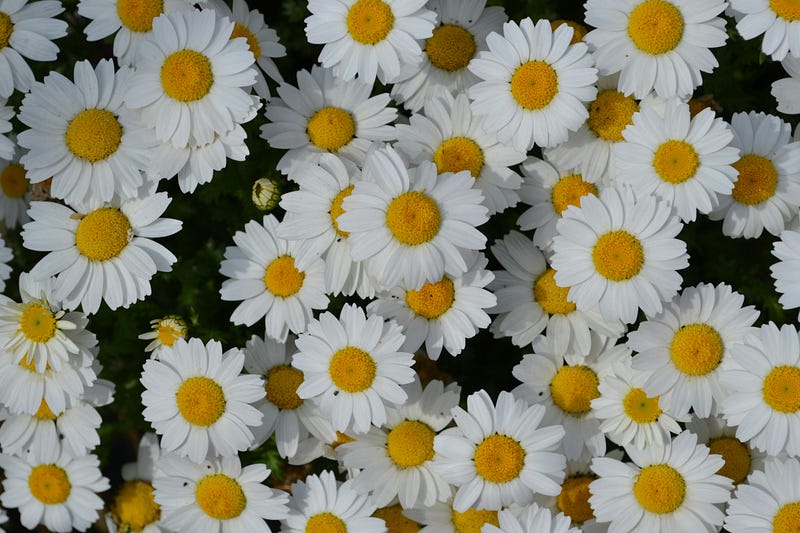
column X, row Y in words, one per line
column 534, row 85
column 200, row 400
column 282, row 278
column 395, row 521
column 138, row 15
column 186, row 76
column 240, row 30
column 676, row 161
column 103, row 234
column 659, row 489
column 787, row 518
column 94, row 134
column 655, row 26
column 640, row 408
column 459, row 153
column 696, row 349
column 568, row 191
column 450, row 47
column 472, row 520
column 618, row 255
column 573, row 388
column 14, row 180
column 413, row 218
column 736, row 455
column 337, row 209
column 6, row 29
column 610, row 113
column 788, row 10
column 331, row 128
column 432, row 300
column 281, row 386
column 551, row 297
column 49, row 484
column 410, row 443
column 325, row 523
column 134, row 506
column 758, row 179
column 782, row 389
column 499, row 458
column 352, row 369
column 37, row 322
column 220, row 497
column 370, row 21
column 44, row 412
column 573, row 500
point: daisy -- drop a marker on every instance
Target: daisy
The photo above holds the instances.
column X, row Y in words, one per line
column 369, row 38
column 325, row 114
column 534, row 84
column 687, row 346
column 775, row 19
column 686, row 162
column 14, row 192
column 164, row 332
column 530, row 518
column 656, row 44
column 785, row 90
column 767, row 192
column 412, row 226
column 264, row 274
column 497, row 454
column 741, row 458
column 764, row 391
column 217, row 495
column 196, row 398
column 27, row 31
column 450, row 136
column 460, row 33
column 769, row 501
column 669, row 488
column 787, row 250
column 354, row 367
column 619, row 253
column 6, row 144
column 101, row 251
column 442, row 518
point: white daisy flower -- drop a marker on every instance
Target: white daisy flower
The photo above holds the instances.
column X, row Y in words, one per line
column 26, row 31
column 665, row 488
column 769, row 501
column 412, row 226
column 775, row 19
column 6, row 144
column 530, row 518
column 100, row 251
column 14, row 192
column 369, row 38
column 196, row 398
column 354, row 367
column 786, row 90
column 454, row 140
column 325, row 114
column 217, row 495
column 50, row 486
column 784, row 272
column 6, row 255
column 534, row 84
column 163, row 332
column 764, row 391
column 264, row 274
column 767, row 192
column 656, row 44
column 619, row 253
column 442, row 518
column 498, row 455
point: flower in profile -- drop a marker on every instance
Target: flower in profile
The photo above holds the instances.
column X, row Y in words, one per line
column 164, row 332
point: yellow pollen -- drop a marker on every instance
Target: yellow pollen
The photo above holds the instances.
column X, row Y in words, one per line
column 551, row 297
column 786, row 9
column 410, row 443
column 534, row 85
column 282, row 278
column 138, row 15
column 413, row 218
column 472, row 520
column 659, row 489
column 610, row 113
column 331, row 128
column 352, row 369
column 6, row 29
column 220, row 497
column 395, row 521
column 782, row 389
column 757, row 181
column 579, row 31
column 134, row 506
column 370, row 21
column 696, row 349
column 432, row 300
column 201, row 401
column 499, row 458
column 325, row 523
column 103, row 234
column 736, row 456
column 450, row 47
column 573, row 500
column 787, row 519
column 14, row 181
column 640, row 408
column 240, row 30
column 568, row 191
column 655, row 26
column 169, row 329
column 49, row 484
column 341, row 438
column 337, row 209
column 29, row 365
column 37, row 323
column 618, row 255
column 94, row 134
column 186, row 76
column 281, row 386
column 573, row 388
column 457, row 154
column 675, row 161
column 44, row 412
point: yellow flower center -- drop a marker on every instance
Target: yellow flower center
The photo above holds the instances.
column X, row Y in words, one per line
column 618, row 255
column 655, row 26
column 758, row 179
column 534, row 85
column 186, row 76
column 331, row 128
column 640, row 408
column 240, row 30
column 610, row 113
column 14, row 181
column 395, row 521
column 551, row 297
column 370, row 21
column 44, row 412
column 341, row 438
column 579, row 31
column 138, row 15
column 201, row 401
column 499, row 458
column 573, row 500
column 413, row 218
column 659, row 489
column 352, row 369
column 786, row 9
column 282, row 278
column 457, row 154
column 573, row 388
column 736, row 456
column 696, row 349
column 6, row 29
column 432, row 300
column 170, row 329
column 220, row 497
column 337, row 209
column 37, row 323
column 568, row 191
column 281, row 386
column 134, row 506
column 472, row 520
column 787, row 519
column 49, row 484
column 325, row 523
column 103, row 234
column 94, row 134
column 410, row 443
column 782, row 389
column 450, row 47
column 675, row 161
